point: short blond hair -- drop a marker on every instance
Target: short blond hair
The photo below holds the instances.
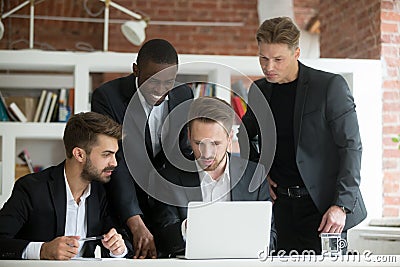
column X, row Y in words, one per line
column 212, row 109
column 279, row 30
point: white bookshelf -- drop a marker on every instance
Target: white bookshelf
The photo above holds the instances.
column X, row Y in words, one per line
column 363, row 75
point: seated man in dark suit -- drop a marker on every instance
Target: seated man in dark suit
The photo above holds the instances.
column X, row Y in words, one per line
column 212, row 175
column 50, row 211
column 143, row 102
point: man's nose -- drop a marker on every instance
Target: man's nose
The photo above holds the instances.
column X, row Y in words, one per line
column 160, row 89
column 114, row 161
column 208, row 150
column 268, row 66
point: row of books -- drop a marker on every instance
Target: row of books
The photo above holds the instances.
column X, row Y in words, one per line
column 51, row 106
column 203, row 89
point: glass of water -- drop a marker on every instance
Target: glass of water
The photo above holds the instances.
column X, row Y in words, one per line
column 330, row 244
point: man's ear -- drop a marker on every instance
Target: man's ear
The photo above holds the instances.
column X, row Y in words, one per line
column 79, row 154
column 297, row 53
column 135, row 69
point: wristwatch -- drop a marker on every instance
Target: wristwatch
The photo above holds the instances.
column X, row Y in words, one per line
column 343, row 209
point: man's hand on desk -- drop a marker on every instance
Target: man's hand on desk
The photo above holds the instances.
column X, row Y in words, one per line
column 60, row 248
column 143, row 240
column 114, row 242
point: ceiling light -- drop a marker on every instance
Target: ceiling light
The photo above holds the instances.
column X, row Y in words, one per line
column 134, row 31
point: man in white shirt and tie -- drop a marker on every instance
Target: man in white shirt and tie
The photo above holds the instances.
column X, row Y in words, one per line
column 214, row 175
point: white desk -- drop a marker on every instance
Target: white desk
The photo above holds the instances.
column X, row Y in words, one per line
column 305, row 261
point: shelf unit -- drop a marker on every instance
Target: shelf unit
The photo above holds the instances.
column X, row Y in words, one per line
column 217, row 69
column 78, row 67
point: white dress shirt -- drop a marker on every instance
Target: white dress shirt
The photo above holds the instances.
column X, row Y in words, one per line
column 75, row 224
column 156, row 116
column 75, row 220
column 212, row 190
column 215, row 190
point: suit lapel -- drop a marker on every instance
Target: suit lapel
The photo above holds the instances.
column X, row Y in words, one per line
column 175, row 121
column 301, row 95
column 58, row 197
column 129, row 88
column 92, row 212
column 135, row 113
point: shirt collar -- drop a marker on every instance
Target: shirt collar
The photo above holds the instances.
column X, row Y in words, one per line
column 70, row 197
column 147, row 108
column 208, row 179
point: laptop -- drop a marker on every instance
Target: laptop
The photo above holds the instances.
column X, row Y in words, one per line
column 228, row 230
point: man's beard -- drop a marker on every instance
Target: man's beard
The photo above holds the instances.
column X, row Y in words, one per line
column 90, row 173
column 215, row 165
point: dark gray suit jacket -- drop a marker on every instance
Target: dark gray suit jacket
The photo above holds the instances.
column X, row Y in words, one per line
column 36, row 212
column 248, row 183
column 113, row 99
column 326, row 137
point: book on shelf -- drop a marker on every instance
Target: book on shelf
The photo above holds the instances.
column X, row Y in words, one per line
column 196, row 90
column 51, row 107
column 209, row 89
column 45, row 109
column 3, row 109
column 11, row 116
column 27, row 104
column 17, row 112
column 203, row 89
column 54, row 116
column 39, row 106
column 71, row 100
column 63, row 110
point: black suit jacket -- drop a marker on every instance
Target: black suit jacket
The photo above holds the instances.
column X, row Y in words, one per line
column 36, row 212
column 114, row 98
column 248, row 183
column 326, row 137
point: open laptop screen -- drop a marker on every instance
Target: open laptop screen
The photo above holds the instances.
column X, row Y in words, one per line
column 236, row 229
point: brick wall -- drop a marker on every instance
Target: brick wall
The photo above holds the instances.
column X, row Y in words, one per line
column 51, row 35
column 304, row 10
column 219, row 40
column 237, row 40
column 390, row 28
column 350, row 29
